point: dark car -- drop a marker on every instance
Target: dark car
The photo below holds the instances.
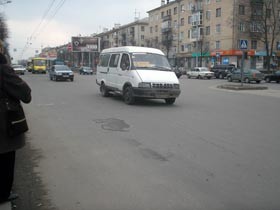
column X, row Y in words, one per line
column 249, row 75
column 273, row 77
column 61, row 72
column 221, row 71
column 179, row 71
column 85, row 70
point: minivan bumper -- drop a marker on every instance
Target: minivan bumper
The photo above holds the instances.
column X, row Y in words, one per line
column 156, row 93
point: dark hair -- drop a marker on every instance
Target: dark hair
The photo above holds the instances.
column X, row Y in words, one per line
column 3, row 59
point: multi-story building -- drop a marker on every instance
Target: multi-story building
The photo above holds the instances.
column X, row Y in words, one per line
column 204, row 32
column 132, row 34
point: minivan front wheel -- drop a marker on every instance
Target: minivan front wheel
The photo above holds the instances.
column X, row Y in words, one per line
column 170, row 100
column 128, row 95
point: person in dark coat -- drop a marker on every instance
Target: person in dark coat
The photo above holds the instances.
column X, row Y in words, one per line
column 14, row 87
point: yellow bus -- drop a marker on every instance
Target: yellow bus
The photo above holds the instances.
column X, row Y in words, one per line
column 39, row 65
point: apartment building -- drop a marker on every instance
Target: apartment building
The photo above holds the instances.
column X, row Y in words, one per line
column 132, row 34
column 204, row 32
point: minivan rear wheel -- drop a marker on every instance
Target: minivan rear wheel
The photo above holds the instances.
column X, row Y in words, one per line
column 103, row 90
column 128, row 95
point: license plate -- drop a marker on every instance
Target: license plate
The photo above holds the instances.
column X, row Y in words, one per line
column 65, row 75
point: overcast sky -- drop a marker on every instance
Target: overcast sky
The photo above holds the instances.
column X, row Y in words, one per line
column 43, row 23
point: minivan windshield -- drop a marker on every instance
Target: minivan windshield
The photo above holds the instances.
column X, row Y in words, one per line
column 150, row 61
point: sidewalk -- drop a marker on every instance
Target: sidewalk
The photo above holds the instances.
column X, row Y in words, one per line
column 6, row 206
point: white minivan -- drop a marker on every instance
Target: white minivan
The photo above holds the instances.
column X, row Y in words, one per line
column 137, row 72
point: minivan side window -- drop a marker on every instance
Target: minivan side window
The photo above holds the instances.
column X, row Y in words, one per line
column 125, row 64
column 104, row 60
column 114, row 60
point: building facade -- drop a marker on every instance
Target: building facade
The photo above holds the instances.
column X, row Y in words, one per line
column 205, row 32
column 132, row 34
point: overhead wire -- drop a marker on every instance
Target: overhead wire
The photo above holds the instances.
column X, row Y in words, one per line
column 41, row 27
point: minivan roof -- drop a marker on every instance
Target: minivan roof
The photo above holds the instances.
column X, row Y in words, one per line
column 133, row 49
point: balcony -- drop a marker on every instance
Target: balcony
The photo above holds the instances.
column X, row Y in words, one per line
column 166, row 18
column 166, row 30
column 255, row 35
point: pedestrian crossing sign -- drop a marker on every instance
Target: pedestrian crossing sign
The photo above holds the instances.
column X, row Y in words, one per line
column 243, row 44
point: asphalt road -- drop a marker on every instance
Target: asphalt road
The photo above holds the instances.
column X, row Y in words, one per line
column 212, row 150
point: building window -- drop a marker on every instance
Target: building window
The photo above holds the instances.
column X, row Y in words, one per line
column 218, row 0
column 156, row 28
column 242, row 27
column 278, row 46
column 143, row 28
column 254, row 44
column 142, row 37
column 162, row 14
column 218, row 12
column 151, row 29
column 241, row 10
column 182, row 48
column 175, row 10
column 218, row 28
column 175, row 24
column 218, row 44
column 182, row 8
column 208, row 15
column 255, row 27
column 207, row 30
column 268, row 13
column 182, row 21
column 181, row 36
column 207, row 1
column 190, row 20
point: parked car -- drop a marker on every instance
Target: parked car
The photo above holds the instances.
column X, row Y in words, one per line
column 249, row 75
column 19, row 69
column 273, row 77
column 85, row 70
column 61, row 72
column 200, row 73
column 179, row 71
column 221, row 71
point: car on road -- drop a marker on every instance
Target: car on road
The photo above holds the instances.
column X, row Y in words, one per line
column 249, row 75
column 221, row 71
column 61, row 72
column 85, row 70
column 273, row 77
column 19, row 69
column 200, row 73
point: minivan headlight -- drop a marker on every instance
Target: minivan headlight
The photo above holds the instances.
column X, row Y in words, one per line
column 144, row 85
column 176, row 86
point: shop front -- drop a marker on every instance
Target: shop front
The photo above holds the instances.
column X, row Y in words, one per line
column 232, row 57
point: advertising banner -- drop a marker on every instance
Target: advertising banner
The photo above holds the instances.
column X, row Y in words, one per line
column 85, row 44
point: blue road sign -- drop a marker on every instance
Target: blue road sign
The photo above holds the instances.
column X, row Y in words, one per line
column 243, row 44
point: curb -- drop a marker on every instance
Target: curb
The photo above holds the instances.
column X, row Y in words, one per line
column 241, row 87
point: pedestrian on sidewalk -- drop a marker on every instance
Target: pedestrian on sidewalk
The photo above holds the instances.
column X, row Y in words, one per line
column 11, row 87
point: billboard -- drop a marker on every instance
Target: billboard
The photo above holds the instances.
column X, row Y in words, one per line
column 85, row 44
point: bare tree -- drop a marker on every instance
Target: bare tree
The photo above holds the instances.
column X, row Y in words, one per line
column 265, row 22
